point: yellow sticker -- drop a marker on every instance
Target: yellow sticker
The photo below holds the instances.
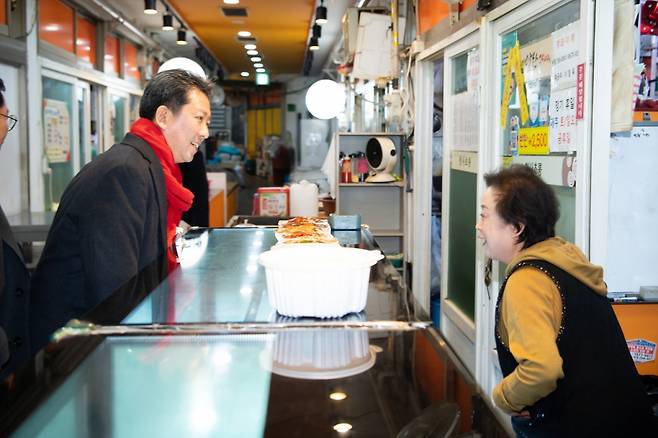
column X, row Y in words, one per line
column 507, row 92
column 533, row 141
column 520, row 83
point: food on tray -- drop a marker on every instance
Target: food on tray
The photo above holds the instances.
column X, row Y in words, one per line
column 304, row 230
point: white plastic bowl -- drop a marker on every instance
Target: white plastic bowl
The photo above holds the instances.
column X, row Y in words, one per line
column 319, row 281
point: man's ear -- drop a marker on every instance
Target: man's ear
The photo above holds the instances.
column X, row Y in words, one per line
column 162, row 116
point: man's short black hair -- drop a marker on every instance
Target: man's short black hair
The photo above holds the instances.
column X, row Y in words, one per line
column 170, row 88
column 523, row 198
column 2, row 97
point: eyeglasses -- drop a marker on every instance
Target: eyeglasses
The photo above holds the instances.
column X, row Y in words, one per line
column 12, row 121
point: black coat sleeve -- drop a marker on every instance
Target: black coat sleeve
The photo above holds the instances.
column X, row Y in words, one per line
column 112, row 230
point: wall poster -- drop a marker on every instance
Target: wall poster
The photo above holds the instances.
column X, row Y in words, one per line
column 57, row 129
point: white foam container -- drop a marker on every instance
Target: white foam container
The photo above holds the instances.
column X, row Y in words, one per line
column 320, row 281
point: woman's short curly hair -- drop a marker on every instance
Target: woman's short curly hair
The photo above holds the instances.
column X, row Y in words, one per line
column 524, row 199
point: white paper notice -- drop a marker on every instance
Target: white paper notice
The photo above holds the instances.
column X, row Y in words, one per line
column 562, row 121
column 473, row 70
column 57, row 126
column 465, row 126
column 565, row 57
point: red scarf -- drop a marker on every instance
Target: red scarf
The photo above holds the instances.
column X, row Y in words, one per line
column 179, row 199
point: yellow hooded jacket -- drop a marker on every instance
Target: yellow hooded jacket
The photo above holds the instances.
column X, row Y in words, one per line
column 530, row 318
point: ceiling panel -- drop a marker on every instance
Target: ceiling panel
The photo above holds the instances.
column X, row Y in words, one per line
column 280, row 27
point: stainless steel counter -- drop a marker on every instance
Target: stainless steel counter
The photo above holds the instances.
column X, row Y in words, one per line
column 280, row 382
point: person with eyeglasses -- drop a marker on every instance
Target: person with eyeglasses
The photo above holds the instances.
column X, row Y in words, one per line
column 14, row 279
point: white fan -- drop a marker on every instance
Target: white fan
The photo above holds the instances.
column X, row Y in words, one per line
column 381, row 156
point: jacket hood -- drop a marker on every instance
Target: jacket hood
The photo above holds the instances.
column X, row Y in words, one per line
column 566, row 256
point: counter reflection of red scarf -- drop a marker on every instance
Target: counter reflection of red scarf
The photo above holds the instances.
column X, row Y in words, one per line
column 179, row 199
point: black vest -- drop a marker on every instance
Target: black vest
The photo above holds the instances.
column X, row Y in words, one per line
column 601, row 394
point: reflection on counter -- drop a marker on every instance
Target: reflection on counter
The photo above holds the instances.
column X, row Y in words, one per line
column 322, row 354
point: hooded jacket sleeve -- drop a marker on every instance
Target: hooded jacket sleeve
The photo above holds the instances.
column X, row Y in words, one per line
column 529, row 323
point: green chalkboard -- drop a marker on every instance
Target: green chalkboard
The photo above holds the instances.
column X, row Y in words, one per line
column 461, row 241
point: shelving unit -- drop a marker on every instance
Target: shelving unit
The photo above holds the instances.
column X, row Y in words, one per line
column 381, row 205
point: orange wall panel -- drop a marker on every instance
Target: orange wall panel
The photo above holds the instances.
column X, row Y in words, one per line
column 465, row 402
column 85, row 42
column 130, row 61
column 430, row 370
column 56, row 24
column 112, row 55
column 431, row 12
column 3, row 11
column 638, row 321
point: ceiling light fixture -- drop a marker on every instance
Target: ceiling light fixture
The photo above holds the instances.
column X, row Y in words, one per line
column 150, row 7
column 321, row 14
column 260, row 70
column 244, row 33
column 258, row 65
column 167, row 21
column 317, row 31
column 256, row 59
column 342, row 427
column 314, row 44
column 252, row 52
column 231, row 2
column 181, row 40
column 244, row 74
column 250, row 46
column 338, row 396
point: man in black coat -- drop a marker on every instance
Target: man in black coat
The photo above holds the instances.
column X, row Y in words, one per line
column 112, row 219
column 14, row 279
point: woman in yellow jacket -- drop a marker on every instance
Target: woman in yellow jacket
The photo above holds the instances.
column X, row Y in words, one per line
column 566, row 367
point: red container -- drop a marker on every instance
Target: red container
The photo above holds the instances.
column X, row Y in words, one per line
column 272, row 201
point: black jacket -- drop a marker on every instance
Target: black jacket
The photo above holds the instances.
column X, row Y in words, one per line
column 14, row 289
column 110, row 224
column 601, row 394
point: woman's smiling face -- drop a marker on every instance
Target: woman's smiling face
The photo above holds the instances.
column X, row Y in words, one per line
column 500, row 239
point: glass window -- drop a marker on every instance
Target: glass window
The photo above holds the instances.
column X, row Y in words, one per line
column 56, row 24
column 539, row 110
column 86, row 40
column 130, row 61
column 118, row 118
column 58, row 139
column 112, row 55
column 463, row 132
column 134, row 108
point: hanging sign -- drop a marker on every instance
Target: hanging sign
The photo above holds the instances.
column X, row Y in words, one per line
column 562, row 120
column 533, row 141
column 57, row 126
